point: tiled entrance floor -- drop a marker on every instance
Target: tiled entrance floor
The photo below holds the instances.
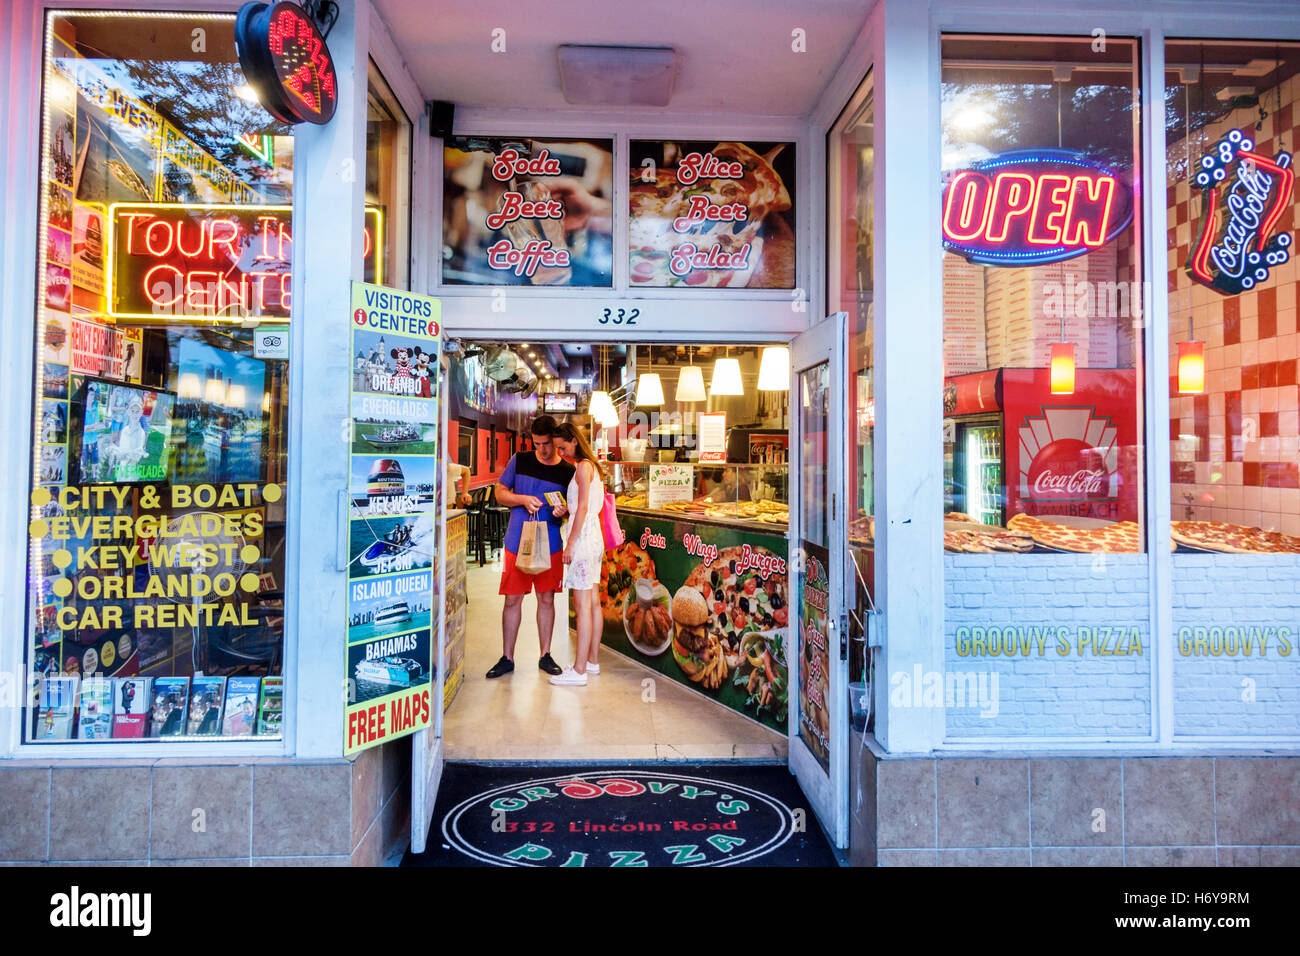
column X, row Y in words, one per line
column 524, row 717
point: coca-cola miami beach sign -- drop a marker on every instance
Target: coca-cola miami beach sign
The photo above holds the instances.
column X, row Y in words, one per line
column 1076, row 455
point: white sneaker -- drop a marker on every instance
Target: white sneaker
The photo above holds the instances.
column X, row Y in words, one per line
column 569, row 678
column 593, row 668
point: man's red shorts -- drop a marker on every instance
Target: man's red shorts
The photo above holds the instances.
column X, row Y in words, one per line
column 517, row 582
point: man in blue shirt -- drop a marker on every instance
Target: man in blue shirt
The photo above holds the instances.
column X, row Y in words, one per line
column 522, row 488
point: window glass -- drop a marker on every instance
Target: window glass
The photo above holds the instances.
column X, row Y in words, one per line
column 1235, row 420
column 1041, row 296
column 156, row 545
column 388, row 186
column 850, row 288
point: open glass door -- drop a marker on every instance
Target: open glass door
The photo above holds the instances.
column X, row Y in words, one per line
column 426, row 746
column 819, row 649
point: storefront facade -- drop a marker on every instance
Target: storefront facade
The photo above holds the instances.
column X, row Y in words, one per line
column 1078, row 668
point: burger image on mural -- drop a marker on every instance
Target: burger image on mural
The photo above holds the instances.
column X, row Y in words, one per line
column 692, row 641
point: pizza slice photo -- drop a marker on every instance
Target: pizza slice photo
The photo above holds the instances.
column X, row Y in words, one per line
column 682, row 222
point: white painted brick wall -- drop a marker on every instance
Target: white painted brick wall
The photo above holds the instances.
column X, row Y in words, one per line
column 1237, row 592
column 1052, row 695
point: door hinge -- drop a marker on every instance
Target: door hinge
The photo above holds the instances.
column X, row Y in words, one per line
column 844, row 637
column 832, row 507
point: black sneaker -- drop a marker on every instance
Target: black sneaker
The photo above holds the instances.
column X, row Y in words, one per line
column 549, row 665
column 501, row 667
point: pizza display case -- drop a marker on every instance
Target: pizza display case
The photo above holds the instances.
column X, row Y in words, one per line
column 751, row 496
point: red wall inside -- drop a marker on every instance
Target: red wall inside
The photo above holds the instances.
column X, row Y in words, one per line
column 486, row 470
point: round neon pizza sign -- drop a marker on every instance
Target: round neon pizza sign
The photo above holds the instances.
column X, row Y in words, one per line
column 286, row 61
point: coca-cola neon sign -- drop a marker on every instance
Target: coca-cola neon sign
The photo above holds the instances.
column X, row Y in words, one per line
column 1029, row 207
column 1237, row 247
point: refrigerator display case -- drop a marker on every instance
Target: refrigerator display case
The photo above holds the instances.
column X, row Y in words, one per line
column 1013, row 447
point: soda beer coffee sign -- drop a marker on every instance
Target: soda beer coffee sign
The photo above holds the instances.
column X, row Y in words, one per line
column 519, row 211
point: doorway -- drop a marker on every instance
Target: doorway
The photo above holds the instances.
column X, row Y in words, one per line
column 693, row 438
column 697, row 441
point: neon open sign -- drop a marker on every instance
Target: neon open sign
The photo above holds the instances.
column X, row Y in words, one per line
column 1237, row 246
column 1028, row 207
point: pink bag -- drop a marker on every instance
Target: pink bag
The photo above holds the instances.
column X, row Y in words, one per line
column 609, row 524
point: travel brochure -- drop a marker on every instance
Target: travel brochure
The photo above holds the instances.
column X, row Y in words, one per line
column 395, row 485
column 101, row 708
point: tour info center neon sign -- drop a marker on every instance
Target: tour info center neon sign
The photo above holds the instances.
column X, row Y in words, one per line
column 1029, row 207
column 201, row 262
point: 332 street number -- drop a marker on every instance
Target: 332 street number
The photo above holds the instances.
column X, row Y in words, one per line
column 619, row 316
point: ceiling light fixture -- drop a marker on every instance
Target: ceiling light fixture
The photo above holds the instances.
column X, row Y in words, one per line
column 774, row 369
column 726, row 377
column 690, row 382
column 649, row 390
column 617, row 75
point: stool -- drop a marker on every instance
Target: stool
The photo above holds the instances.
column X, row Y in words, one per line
column 477, row 518
column 498, row 519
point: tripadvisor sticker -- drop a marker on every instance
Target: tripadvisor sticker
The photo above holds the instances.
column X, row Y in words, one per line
column 619, row 818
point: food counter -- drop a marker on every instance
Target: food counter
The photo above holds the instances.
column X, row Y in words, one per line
column 750, row 495
column 703, row 599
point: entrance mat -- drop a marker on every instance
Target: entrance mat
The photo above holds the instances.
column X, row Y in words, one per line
column 669, row 815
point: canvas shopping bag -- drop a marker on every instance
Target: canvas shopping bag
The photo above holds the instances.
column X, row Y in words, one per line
column 534, row 555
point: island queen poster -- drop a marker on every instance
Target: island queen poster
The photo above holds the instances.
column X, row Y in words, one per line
column 396, row 346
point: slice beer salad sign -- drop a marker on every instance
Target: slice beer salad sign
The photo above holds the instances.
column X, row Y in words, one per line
column 711, row 214
column 396, row 339
column 705, row 605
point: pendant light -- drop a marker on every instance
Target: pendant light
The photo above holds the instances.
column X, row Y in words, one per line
column 690, row 383
column 726, row 377
column 774, row 369
column 601, row 407
column 649, row 387
column 1191, row 354
column 1063, row 368
column 1062, row 361
column 1191, row 367
column 649, row 390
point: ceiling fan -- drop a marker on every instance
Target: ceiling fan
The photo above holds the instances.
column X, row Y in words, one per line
column 518, row 385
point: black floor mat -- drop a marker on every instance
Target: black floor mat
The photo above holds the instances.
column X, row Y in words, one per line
column 670, row 815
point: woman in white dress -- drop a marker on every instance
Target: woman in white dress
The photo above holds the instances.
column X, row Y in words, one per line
column 584, row 550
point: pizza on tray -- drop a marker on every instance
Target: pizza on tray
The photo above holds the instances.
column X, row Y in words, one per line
column 618, row 574
column 1232, row 538
column 1117, row 538
column 992, row 541
column 654, row 206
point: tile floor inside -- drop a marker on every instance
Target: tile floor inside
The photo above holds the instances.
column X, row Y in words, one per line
column 522, row 716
